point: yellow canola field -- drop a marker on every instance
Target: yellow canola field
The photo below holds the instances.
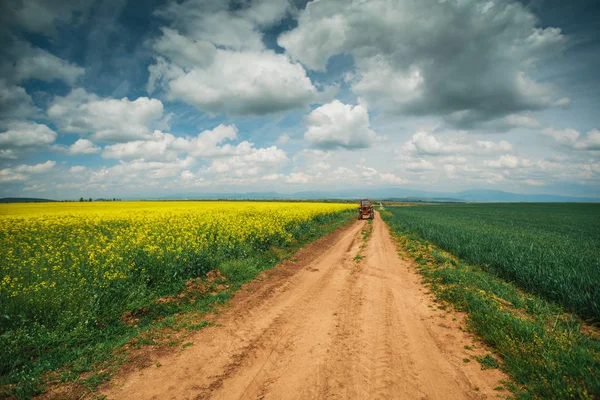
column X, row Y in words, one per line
column 74, row 246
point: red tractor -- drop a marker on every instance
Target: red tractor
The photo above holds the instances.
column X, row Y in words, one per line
column 365, row 209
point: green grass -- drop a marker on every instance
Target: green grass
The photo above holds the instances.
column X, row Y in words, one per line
column 540, row 346
column 549, row 249
column 32, row 355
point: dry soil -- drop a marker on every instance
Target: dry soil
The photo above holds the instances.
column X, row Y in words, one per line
column 324, row 324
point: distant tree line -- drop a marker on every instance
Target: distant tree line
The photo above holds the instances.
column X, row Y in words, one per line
column 81, row 199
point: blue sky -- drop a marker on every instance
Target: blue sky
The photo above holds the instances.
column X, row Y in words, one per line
column 116, row 99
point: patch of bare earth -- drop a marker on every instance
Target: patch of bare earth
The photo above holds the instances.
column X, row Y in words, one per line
column 323, row 325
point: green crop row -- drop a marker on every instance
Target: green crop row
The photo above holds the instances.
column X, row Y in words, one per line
column 552, row 250
column 548, row 353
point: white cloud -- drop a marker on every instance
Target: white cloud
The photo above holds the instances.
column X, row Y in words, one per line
column 533, row 182
column 390, row 178
column 425, row 143
column 226, row 160
column 453, row 160
column 138, row 173
column 14, row 101
column 591, row 141
column 250, row 162
column 108, row 119
column 563, row 136
column 213, row 57
column 41, row 16
column 298, row 178
column 22, row 172
column 571, row 138
column 187, row 175
column 327, row 35
column 419, row 165
column 339, row 125
column 21, row 138
column 283, row 139
column 8, row 175
column 37, row 168
column 509, row 161
column 26, row 134
column 24, row 62
column 563, row 102
column 77, row 169
column 160, row 148
column 165, row 146
column 208, row 142
column 514, row 121
column 367, row 172
column 242, row 83
column 216, row 22
column 183, row 51
column 411, row 58
column 83, row 146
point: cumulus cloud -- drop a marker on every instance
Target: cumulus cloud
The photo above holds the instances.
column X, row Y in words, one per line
column 83, row 146
column 242, row 83
column 184, row 51
column 41, row 16
column 37, row 168
column 107, row 119
column 216, row 22
column 27, row 134
column 390, row 178
column 249, row 162
column 283, row 139
column 159, row 148
column 23, row 137
column 509, row 161
column 165, row 146
column 14, row 101
column 22, row 62
column 212, row 57
column 419, row 165
column 8, row 175
column 410, row 58
column 226, row 160
column 591, row 141
column 138, row 173
column 563, row 136
column 298, row 178
column 425, row 143
column 339, row 125
column 572, row 138
column 22, row 172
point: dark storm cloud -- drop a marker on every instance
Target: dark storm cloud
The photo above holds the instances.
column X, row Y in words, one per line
column 469, row 61
column 42, row 16
column 578, row 72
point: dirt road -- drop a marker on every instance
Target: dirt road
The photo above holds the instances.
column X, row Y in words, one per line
column 326, row 324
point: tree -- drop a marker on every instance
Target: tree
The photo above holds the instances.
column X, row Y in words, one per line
column 81, row 199
column 90, row 199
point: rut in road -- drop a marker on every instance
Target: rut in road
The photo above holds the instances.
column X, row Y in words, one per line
column 325, row 326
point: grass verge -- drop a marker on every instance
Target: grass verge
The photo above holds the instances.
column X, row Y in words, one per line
column 85, row 360
column 365, row 234
column 549, row 353
column 547, row 249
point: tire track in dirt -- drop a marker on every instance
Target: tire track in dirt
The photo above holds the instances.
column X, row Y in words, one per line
column 326, row 326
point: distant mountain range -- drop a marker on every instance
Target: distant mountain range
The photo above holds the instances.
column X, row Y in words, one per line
column 24, row 200
column 397, row 194
column 479, row 195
